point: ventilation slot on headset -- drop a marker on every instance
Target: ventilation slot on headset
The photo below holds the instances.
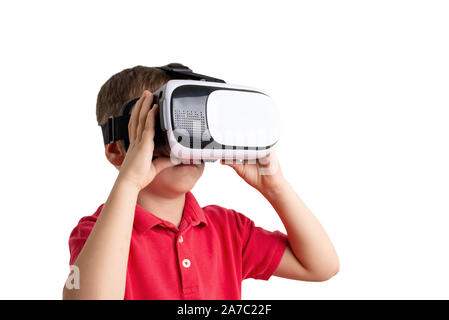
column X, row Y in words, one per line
column 194, row 122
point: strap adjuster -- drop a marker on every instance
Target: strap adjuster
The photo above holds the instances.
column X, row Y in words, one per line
column 108, row 129
column 111, row 131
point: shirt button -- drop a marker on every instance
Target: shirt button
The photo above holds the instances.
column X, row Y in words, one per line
column 180, row 240
column 186, row 263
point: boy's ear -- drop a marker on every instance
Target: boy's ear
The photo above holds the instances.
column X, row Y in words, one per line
column 115, row 153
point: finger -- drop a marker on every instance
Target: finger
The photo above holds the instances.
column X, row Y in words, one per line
column 267, row 160
column 151, row 118
column 162, row 163
column 132, row 124
column 143, row 114
column 272, row 165
column 150, row 121
column 234, row 164
column 230, row 162
column 264, row 162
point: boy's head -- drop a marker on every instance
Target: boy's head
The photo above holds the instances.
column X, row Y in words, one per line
column 129, row 84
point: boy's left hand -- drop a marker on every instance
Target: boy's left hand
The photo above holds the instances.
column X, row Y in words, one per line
column 265, row 175
column 310, row 255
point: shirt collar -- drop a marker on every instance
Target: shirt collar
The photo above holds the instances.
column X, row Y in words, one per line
column 192, row 214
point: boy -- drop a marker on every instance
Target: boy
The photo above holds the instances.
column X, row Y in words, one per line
column 151, row 239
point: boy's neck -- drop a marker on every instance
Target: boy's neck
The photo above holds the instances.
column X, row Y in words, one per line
column 163, row 207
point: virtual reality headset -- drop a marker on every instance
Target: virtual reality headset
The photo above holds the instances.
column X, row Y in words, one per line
column 204, row 118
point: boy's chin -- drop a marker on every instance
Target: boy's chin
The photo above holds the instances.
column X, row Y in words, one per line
column 169, row 189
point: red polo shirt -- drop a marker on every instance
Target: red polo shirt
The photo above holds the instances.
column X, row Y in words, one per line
column 206, row 257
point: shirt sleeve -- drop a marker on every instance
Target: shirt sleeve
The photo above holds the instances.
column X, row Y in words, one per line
column 79, row 236
column 262, row 250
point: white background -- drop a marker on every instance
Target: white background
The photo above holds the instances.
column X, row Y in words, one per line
column 363, row 91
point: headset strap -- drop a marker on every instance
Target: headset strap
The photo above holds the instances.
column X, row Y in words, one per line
column 115, row 129
column 184, row 72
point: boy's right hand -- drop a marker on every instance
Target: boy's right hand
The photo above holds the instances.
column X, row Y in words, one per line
column 137, row 167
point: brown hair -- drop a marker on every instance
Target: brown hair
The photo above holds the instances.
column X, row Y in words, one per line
column 126, row 85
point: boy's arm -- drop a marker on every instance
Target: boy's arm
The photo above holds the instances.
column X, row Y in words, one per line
column 311, row 255
column 103, row 260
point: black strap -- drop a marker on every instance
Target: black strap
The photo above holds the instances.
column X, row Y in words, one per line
column 184, row 72
column 117, row 127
